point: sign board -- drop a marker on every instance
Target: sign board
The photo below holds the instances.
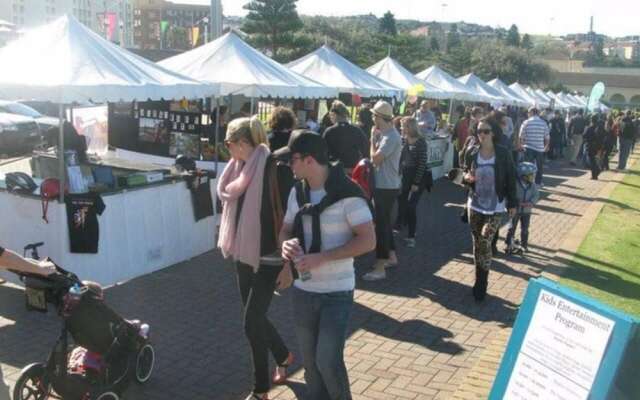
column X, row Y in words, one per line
column 436, row 151
column 565, row 346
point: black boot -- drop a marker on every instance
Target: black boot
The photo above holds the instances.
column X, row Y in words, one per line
column 480, row 287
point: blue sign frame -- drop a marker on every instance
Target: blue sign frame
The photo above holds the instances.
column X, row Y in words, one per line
column 625, row 332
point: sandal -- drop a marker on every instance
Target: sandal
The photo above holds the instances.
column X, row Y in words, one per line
column 281, row 379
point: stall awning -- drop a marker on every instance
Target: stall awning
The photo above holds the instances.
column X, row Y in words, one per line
column 65, row 62
column 507, row 92
column 240, row 69
column 331, row 69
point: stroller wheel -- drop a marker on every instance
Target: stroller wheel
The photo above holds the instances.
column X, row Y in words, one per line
column 145, row 360
column 29, row 385
column 108, row 396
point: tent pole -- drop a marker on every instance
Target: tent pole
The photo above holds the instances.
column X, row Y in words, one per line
column 215, row 146
column 450, row 109
column 61, row 172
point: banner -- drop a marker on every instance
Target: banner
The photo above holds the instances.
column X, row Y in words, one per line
column 164, row 25
column 596, row 94
column 92, row 123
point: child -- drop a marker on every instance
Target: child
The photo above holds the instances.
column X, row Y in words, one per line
column 528, row 195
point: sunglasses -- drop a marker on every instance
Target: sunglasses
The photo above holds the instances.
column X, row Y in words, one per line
column 228, row 142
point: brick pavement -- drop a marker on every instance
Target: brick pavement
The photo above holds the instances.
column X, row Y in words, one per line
column 414, row 336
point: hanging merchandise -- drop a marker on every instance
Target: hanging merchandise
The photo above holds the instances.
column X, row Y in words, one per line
column 82, row 220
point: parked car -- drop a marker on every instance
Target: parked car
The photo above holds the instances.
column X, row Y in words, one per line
column 18, row 134
column 47, row 126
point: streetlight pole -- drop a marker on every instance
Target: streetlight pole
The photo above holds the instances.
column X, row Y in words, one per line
column 446, row 39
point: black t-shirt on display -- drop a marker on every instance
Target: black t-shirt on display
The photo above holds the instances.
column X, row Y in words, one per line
column 346, row 143
column 82, row 220
column 200, row 188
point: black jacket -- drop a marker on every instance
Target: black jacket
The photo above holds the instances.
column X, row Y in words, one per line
column 505, row 173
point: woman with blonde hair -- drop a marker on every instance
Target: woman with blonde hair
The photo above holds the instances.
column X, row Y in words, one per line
column 413, row 164
column 254, row 189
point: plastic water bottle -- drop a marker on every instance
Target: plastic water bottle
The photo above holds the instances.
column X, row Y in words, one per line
column 75, row 291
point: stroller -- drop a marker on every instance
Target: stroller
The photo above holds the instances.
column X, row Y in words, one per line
column 107, row 351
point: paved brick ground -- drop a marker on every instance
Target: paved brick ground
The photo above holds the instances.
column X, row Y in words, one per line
column 414, row 336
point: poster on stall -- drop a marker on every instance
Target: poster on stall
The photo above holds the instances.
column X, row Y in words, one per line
column 92, row 123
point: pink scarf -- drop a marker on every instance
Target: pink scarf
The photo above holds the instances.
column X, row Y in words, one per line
column 242, row 242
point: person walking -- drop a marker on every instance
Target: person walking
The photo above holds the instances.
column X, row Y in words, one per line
column 346, row 142
column 609, row 142
column 461, row 132
column 386, row 149
column 491, row 177
column 557, row 133
column 327, row 224
column 426, row 118
column 627, row 138
column 528, row 195
column 534, row 138
column 281, row 122
column 252, row 188
column 413, row 162
column 593, row 139
column 576, row 128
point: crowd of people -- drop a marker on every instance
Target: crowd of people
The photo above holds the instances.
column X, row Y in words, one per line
column 296, row 214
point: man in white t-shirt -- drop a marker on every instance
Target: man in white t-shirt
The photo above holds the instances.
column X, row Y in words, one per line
column 333, row 206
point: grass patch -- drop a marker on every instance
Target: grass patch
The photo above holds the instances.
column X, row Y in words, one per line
column 607, row 264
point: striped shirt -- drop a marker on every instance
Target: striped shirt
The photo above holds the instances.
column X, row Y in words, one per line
column 336, row 229
column 533, row 133
column 414, row 156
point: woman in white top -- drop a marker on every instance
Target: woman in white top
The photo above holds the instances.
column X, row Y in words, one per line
column 491, row 177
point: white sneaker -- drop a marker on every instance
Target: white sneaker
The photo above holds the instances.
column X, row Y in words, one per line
column 374, row 275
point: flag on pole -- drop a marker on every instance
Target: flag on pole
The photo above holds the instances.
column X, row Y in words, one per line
column 596, row 94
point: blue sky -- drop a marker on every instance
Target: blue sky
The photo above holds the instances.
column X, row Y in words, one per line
column 612, row 17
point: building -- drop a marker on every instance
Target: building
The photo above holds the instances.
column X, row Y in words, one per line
column 161, row 24
column 110, row 18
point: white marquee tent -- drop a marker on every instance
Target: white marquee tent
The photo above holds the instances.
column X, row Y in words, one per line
column 331, row 69
column 435, row 76
column 473, row 83
column 240, row 69
column 508, row 93
column 64, row 62
column 393, row 72
column 522, row 92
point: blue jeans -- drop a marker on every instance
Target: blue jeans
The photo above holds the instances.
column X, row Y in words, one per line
column 321, row 321
column 536, row 157
column 625, row 149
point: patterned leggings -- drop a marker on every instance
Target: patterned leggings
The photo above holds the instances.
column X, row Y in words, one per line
column 483, row 229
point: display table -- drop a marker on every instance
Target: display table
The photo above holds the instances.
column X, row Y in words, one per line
column 141, row 230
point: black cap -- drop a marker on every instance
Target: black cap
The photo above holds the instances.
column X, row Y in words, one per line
column 304, row 142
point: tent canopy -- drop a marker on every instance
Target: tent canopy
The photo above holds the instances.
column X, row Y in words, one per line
column 522, row 92
column 541, row 101
column 64, row 62
column 393, row 72
column 331, row 69
column 442, row 80
column 558, row 101
column 240, row 69
column 507, row 92
column 475, row 84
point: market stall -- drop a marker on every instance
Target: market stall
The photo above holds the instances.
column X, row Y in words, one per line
column 119, row 220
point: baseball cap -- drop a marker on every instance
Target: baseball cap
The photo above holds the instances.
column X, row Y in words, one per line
column 305, row 142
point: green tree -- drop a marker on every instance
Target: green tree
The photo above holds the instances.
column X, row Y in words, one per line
column 388, row 24
column 453, row 37
column 433, row 44
column 526, row 42
column 513, row 36
column 271, row 24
